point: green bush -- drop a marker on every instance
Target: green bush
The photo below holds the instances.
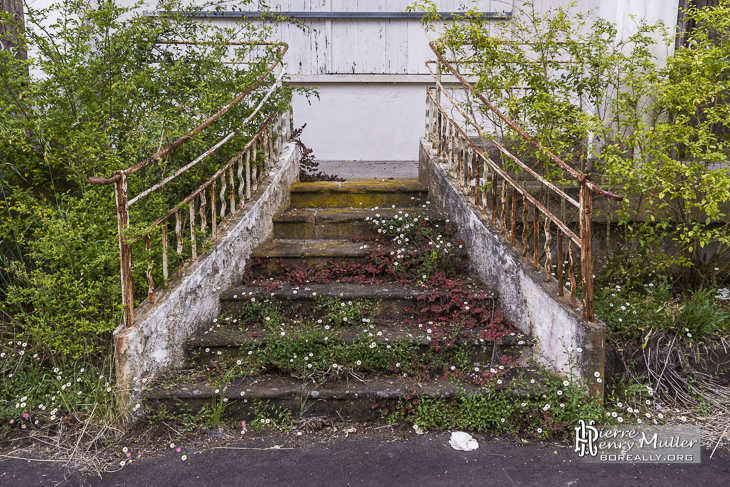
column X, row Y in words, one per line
column 658, row 132
column 112, row 91
column 102, row 88
column 632, row 312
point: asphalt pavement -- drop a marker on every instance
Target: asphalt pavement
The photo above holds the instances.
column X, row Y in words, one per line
column 418, row 461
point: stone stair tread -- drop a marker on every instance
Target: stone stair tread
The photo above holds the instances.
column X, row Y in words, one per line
column 230, row 336
column 372, row 386
column 361, row 186
column 340, row 290
column 292, row 248
column 336, row 215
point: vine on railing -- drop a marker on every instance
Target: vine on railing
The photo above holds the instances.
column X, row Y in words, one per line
column 501, row 196
column 228, row 189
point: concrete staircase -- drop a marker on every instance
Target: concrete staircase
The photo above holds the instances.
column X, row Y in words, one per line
column 358, row 334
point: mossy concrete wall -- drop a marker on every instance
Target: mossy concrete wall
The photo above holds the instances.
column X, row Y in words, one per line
column 529, row 302
column 156, row 340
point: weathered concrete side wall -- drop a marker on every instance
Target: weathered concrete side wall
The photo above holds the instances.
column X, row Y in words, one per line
column 530, row 303
column 155, row 342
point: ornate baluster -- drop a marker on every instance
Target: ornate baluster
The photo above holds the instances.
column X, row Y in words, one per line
column 560, row 262
column 178, row 234
column 233, row 189
column 536, row 239
column 428, row 113
column 464, row 176
column 470, row 174
column 477, row 189
column 484, row 193
column 265, row 150
column 450, row 145
column 165, row 271
column 525, row 226
column 494, row 197
column 213, row 211
column 513, row 226
column 434, row 124
column 272, row 149
column 203, row 215
column 241, row 182
column 255, row 166
column 223, row 196
column 571, row 272
column 441, row 133
column 503, row 213
column 193, row 235
column 150, row 280
column 248, row 174
column 548, row 255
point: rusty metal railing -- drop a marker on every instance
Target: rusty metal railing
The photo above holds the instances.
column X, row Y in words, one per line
column 502, row 198
column 229, row 188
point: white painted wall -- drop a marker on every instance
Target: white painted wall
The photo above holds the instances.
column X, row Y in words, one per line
column 364, row 121
column 628, row 14
column 371, row 74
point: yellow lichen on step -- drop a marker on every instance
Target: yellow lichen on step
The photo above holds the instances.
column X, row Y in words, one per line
column 358, row 193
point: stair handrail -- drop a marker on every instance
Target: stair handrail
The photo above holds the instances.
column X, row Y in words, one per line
column 269, row 138
column 463, row 157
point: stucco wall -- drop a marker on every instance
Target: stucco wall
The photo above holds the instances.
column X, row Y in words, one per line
column 156, row 340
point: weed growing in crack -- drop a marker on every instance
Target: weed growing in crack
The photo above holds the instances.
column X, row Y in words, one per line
column 330, row 311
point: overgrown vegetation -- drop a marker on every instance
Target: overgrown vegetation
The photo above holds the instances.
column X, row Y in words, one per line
column 648, row 123
column 654, row 129
column 454, row 334
column 102, row 88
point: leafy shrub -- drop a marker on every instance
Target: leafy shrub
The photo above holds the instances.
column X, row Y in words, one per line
column 632, row 313
column 103, row 87
column 600, row 100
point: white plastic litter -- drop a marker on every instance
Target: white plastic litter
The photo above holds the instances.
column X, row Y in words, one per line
column 463, row 441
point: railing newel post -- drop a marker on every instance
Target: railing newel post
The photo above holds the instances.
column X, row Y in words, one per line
column 586, row 248
column 125, row 248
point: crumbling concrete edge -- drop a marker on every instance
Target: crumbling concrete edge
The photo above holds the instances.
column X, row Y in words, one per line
column 155, row 342
column 566, row 344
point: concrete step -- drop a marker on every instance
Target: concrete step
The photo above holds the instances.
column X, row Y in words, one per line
column 315, row 254
column 228, row 343
column 339, row 397
column 337, row 223
column 390, row 299
column 359, row 193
